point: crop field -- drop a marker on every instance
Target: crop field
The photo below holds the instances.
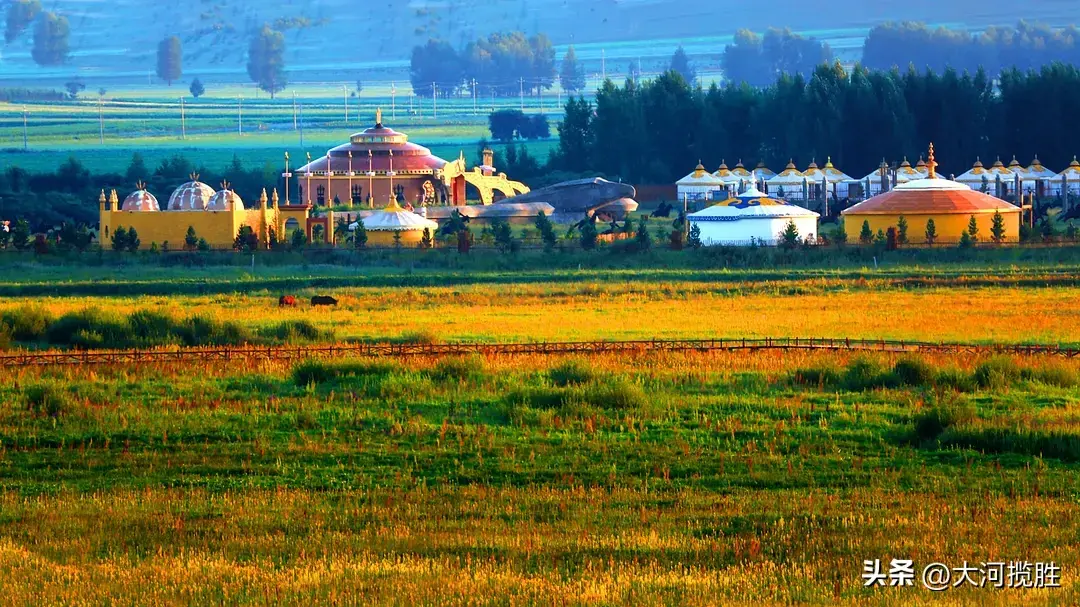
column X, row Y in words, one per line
column 662, row 479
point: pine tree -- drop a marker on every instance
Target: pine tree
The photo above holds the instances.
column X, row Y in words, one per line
column 789, row 238
column 901, row 230
column 997, row 229
column 866, row 236
column 931, row 231
column 680, row 63
column 20, row 235
column 298, row 239
column 840, row 235
column 204, row 245
column 119, row 239
column 504, row 236
column 197, row 89
column 966, row 239
column 272, row 239
column 879, row 238
column 588, row 234
column 572, row 75
column 642, row 238
column 191, row 241
column 547, row 231
column 133, row 241
column 628, row 225
column 425, row 239
column 973, row 229
column 694, row 240
column 397, row 239
column 359, row 236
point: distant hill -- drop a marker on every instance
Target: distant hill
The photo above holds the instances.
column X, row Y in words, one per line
column 118, row 38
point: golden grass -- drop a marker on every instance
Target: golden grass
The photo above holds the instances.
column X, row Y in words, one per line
column 545, row 312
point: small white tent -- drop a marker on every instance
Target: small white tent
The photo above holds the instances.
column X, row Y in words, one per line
column 752, row 217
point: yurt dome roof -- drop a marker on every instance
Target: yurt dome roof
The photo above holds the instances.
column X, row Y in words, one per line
column 140, row 200
column 751, row 204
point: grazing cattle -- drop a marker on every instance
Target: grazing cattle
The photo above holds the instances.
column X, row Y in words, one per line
column 287, row 301
column 323, row 300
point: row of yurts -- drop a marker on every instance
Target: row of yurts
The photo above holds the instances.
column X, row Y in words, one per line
column 700, row 185
column 754, row 216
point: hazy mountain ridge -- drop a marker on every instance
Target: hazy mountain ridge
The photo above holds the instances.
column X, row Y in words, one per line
column 121, row 34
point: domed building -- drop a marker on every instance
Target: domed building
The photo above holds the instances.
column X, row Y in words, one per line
column 752, row 217
column 380, row 161
column 216, row 218
column 191, row 196
column 225, row 200
column 950, row 204
column 381, row 226
column 140, row 200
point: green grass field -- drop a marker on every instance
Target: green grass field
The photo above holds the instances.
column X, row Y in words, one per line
column 662, row 479
column 142, row 121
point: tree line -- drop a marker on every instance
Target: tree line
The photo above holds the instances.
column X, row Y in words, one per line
column 505, row 64
column 656, row 131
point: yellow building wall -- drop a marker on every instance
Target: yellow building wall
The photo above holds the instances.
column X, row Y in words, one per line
column 219, row 228
column 409, row 238
column 949, row 226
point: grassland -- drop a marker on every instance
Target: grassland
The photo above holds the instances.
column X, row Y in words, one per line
column 141, row 121
column 691, row 479
column 675, row 479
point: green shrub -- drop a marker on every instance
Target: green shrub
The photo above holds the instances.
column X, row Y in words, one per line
column 422, row 337
column 996, row 372
column 572, row 371
column 28, row 323
column 952, row 378
column 1051, row 374
column 947, row 412
column 6, row 338
column 618, row 394
column 821, row 376
column 89, row 328
column 312, row 372
column 293, row 331
column 865, row 374
column 46, row 399
column 537, row 398
column 151, row 328
column 458, row 369
column 201, row 330
column 911, row 371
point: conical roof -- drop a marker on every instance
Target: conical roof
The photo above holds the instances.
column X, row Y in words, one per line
column 700, row 177
column 751, row 204
column 1072, row 172
column 393, row 218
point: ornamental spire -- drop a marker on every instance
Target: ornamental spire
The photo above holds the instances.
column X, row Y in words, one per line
column 931, row 163
column 378, row 118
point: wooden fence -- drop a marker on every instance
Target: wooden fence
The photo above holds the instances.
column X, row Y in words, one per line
column 397, row 350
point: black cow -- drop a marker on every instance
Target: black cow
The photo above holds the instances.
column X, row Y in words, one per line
column 323, row 300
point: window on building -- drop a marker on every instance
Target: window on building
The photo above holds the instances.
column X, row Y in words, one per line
column 320, row 195
column 357, row 194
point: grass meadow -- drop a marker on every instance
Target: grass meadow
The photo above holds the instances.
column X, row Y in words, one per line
column 662, row 479
column 670, row 479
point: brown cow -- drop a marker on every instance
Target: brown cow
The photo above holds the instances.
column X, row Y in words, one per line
column 323, row 300
column 287, row 301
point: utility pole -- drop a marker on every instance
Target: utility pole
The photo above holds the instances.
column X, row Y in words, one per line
column 434, row 103
column 183, row 120
column 301, row 125
column 393, row 101
column 101, row 120
column 240, row 114
column 521, row 93
column 474, row 109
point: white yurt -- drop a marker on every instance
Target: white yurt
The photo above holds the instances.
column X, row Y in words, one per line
column 700, row 185
column 791, row 180
column 1069, row 178
column 381, row 226
column 752, row 217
